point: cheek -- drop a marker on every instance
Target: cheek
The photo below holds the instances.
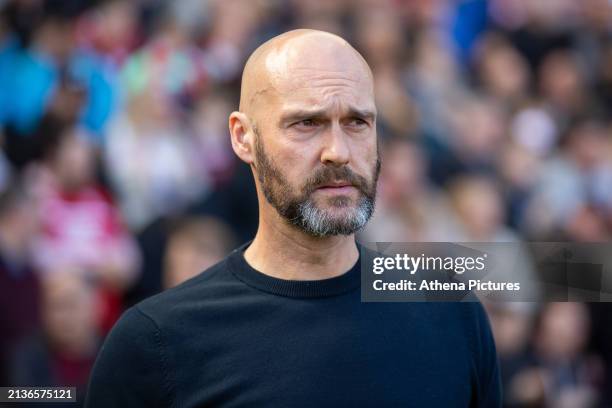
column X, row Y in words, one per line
column 296, row 161
column 365, row 156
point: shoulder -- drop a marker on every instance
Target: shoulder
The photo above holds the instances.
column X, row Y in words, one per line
column 474, row 320
column 136, row 359
column 472, row 332
column 467, row 321
column 131, row 368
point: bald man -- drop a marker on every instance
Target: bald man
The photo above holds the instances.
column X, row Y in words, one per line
column 279, row 322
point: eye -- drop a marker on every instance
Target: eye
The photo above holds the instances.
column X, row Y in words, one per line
column 357, row 122
column 307, row 122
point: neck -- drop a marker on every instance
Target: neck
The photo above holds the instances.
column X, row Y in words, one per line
column 283, row 251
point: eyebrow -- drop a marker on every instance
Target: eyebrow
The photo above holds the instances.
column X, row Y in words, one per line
column 302, row 114
column 362, row 113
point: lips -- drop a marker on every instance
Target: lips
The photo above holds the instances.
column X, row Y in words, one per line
column 340, row 187
column 336, row 185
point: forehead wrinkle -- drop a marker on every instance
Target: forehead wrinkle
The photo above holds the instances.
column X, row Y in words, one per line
column 324, row 81
column 315, row 90
column 332, row 84
column 285, row 64
column 328, row 79
column 280, row 61
column 330, row 104
column 323, row 73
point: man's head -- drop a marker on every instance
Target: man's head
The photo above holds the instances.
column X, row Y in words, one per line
column 307, row 127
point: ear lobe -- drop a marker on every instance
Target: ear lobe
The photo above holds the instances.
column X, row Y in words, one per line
column 241, row 136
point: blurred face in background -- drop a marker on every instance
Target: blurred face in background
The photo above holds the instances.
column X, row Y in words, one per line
column 55, row 37
column 73, row 162
column 194, row 246
column 69, row 312
column 433, row 60
column 561, row 80
column 478, row 204
column 114, row 25
column 503, row 71
column 151, row 109
column 403, row 176
column 209, row 119
column 380, row 36
column 588, row 144
column 564, row 330
column 316, row 158
column 479, row 126
column 511, row 328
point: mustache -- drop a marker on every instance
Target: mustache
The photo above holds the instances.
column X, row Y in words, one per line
column 328, row 174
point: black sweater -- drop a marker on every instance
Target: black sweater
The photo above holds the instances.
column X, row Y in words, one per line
column 234, row 337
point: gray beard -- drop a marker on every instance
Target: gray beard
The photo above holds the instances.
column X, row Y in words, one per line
column 320, row 223
column 302, row 212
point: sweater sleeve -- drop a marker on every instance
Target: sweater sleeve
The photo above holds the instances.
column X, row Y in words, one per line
column 131, row 370
column 489, row 392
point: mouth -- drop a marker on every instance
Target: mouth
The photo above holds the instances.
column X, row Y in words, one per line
column 337, row 187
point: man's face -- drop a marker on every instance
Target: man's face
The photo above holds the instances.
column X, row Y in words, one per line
column 316, row 155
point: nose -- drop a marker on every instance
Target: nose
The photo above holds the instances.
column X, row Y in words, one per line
column 336, row 149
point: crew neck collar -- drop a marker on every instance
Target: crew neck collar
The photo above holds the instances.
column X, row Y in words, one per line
column 338, row 285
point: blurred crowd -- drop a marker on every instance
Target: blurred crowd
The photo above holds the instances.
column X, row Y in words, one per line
column 117, row 178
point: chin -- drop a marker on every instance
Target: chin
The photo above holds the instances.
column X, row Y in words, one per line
column 340, row 213
column 340, row 202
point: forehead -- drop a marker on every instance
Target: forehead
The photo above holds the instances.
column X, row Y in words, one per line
column 320, row 77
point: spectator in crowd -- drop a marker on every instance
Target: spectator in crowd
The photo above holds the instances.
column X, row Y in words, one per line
column 82, row 230
column 149, row 153
column 408, row 208
column 63, row 353
column 512, row 324
column 49, row 63
column 501, row 71
column 19, row 280
column 479, row 211
column 215, row 159
column 573, row 192
column 33, row 61
column 570, row 375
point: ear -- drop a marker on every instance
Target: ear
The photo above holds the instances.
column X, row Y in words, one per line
column 242, row 136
